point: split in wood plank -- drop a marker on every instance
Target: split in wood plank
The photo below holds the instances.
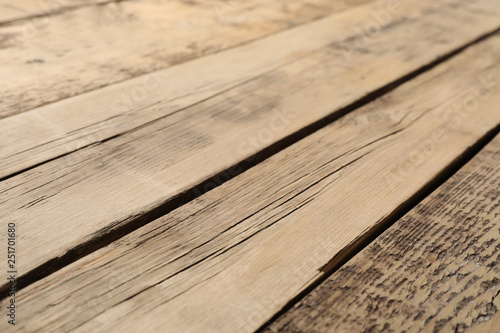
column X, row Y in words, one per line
column 144, row 36
column 228, row 260
column 122, row 179
column 435, row 270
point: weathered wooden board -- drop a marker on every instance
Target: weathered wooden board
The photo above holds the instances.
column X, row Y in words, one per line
column 100, row 45
column 55, row 129
column 228, row 260
column 435, row 270
column 121, row 179
column 35, row 10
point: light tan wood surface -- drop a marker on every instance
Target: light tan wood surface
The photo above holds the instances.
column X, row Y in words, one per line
column 230, row 259
column 38, row 11
column 59, row 128
column 128, row 176
column 93, row 46
column 435, row 270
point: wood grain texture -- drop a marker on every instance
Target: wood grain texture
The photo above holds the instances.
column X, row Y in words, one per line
column 59, row 128
column 435, row 270
column 37, row 10
column 123, row 178
column 50, row 131
column 94, row 46
column 228, row 260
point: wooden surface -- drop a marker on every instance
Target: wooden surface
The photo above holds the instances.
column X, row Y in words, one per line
column 134, row 173
column 436, row 269
column 105, row 44
column 230, row 259
column 215, row 166
column 38, row 11
column 59, row 128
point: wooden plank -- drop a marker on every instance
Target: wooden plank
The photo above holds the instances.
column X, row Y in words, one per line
column 228, row 260
column 59, row 128
column 37, row 10
column 101, row 45
column 121, row 179
column 435, row 270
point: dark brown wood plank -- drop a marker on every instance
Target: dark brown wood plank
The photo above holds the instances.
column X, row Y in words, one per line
column 435, row 270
